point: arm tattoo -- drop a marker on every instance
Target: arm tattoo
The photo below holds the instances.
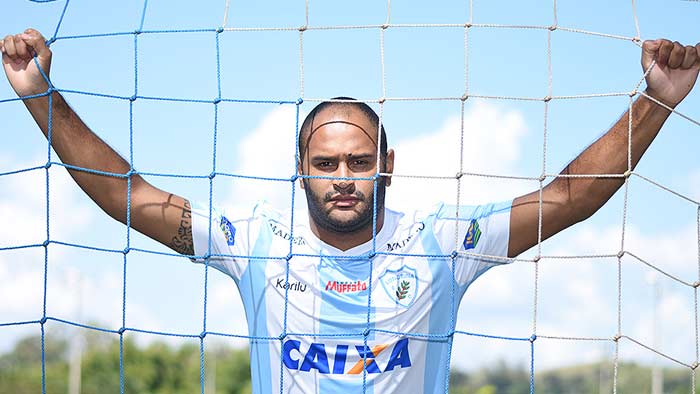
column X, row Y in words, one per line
column 182, row 242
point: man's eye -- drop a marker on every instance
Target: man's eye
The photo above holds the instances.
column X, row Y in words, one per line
column 325, row 165
column 360, row 164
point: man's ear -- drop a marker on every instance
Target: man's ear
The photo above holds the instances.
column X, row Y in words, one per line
column 300, row 172
column 389, row 165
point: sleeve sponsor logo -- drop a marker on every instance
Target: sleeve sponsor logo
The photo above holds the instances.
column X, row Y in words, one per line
column 341, row 361
column 473, row 235
column 392, row 246
column 284, row 234
column 228, row 230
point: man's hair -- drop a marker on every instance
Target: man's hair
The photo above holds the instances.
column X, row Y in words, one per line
column 348, row 102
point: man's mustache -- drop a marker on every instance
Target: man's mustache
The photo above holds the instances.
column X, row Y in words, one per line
column 331, row 195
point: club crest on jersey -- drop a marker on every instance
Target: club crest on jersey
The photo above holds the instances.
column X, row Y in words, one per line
column 401, row 285
column 473, row 235
column 228, row 230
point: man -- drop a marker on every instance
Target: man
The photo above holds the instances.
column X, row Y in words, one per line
column 355, row 296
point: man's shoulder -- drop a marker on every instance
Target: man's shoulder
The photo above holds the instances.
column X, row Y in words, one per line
column 476, row 211
column 261, row 210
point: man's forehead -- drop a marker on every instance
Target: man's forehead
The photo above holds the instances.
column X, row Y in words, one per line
column 343, row 116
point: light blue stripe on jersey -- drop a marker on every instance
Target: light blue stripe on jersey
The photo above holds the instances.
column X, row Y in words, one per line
column 252, row 287
column 439, row 323
column 344, row 386
column 344, row 313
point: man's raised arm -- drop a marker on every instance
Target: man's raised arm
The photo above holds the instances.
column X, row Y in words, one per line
column 160, row 215
column 566, row 201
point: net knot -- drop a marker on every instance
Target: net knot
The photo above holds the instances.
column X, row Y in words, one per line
column 696, row 284
column 43, row 320
column 132, row 98
column 299, row 101
column 382, row 100
column 536, row 259
column 46, row 243
column 212, row 175
column 459, row 175
column 620, row 254
column 47, row 165
column 617, row 337
column 627, row 173
column 217, row 100
column 294, row 178
column 366, row 332
column 288, row 257
column 50, row 41
column 532, row 338
column 126, row 250
column 202, row 335
column 219, row 30
column 303, row 28
column 547, row 99
column 694, row 365
column 137, row 32
column 467, row 25
column 385, row 26
column 282, row 336
column 542, row 177
column 464, row 97
column 206, row 256
column 121, row 331
column 633, row 93
column 636, row 39
column 552, row 27
column 454, row 254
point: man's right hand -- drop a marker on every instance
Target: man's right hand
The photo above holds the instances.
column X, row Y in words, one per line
column 18, row 53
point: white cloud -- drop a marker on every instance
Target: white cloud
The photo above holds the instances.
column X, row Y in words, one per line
column 277, row 160
column 23, row 204
column 578, row 298
column 23, row 209
column 693, row 180
column 225, row 310
column 492, row 143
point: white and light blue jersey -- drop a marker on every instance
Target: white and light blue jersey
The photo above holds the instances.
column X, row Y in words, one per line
column 375, row 318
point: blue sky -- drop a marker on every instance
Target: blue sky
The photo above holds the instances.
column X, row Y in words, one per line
column 577, row 297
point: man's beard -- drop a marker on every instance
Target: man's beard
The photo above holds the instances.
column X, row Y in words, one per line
column 321, row 217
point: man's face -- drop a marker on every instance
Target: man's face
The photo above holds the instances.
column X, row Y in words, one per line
column 342, row 143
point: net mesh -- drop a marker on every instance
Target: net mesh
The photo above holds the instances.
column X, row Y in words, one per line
column 226, row 27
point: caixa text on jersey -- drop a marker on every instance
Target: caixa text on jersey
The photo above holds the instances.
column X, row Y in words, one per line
column 339, row 359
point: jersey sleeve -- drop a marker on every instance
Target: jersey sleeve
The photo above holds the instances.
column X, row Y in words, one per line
column 479, row 234
column 223, row 236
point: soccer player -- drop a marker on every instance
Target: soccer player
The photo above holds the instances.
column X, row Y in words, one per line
column 366, row 294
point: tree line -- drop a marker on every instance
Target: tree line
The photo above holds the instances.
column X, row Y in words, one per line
column 161, row 368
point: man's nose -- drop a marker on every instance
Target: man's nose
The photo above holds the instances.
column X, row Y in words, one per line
column 345, row 186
